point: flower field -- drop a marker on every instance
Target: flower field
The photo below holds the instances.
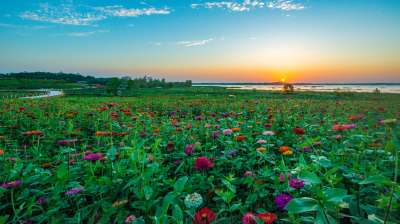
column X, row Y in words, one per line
column 199, row 160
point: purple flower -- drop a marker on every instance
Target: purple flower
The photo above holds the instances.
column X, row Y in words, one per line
column 317, row 143
column 225, row 115
column 27, row 222
column 282, row 200
column 42, row 201
column 92, row 157
column 296, row 183
column 268, row 125
column 268, row 133
column 143, row 134
column 227, row 132
column 11, row 159
column 11, row 184
column 262, row 141
column 217, row 132
column 74, row 190
column 199, row 118
column 232, row 152
column 188, row 152
column 177, row 162
column 63, row 143
column 184, row 113
column 213, row 136
column 90, row 114
column 89, row 146
column 249, row 173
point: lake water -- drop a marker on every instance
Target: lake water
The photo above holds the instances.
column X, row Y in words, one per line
column 328, row 88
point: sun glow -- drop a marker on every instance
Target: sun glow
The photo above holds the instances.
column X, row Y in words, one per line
column 283, row 80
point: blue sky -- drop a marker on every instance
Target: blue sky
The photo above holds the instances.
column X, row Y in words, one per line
column 206, row 41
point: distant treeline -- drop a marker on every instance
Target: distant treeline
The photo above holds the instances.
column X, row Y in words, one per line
column 67, row 77
column 62, row 78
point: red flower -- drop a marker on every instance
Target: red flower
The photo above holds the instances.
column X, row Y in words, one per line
column 298, row 131
column 202, row 163
column 170, row 145
column 266, row 217
column 204, row 216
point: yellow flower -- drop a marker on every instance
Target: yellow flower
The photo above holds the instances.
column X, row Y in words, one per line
column 288, row 153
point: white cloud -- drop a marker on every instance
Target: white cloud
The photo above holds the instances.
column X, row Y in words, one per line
column 132, row 12
column 247, row 5
column 83, row 14
column 10, row 25
column 285, row 5
column 81, row 34
column 195, row 42
column 6, row 15
column 253, row 38
column 42, row 27
column 159, row 43
column 130, row 25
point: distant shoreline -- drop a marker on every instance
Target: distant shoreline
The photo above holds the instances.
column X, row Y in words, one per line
column 280, row 83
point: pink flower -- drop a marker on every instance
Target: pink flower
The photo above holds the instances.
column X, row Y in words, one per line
column 130, row 218
column 202, row 163
column 282, row 177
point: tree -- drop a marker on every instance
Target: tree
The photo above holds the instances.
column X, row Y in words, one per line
column 170, row 85
column 113, row 85
column 129, row 84
column 288, row 88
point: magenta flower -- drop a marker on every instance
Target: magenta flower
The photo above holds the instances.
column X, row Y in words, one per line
column 296, row 183
column 202, row 163
column 227, row 132
column 74, row 190
column 93, row 157
column 282, row 177
column 63, row 143
column 11, row 184
column 262, row 141
column 248, row 218
column 268, row 133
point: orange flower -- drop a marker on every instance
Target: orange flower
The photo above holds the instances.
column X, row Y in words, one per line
column 235, row 129
column 272, row 120
column 70, row 115
column 1, row 152
column 260, row 182
column 3, row 137
column 283, row 148
column 261, row 149
column 156, row 130
column 240, row 138
column 99, row 133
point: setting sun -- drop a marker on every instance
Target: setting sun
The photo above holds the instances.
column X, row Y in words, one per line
column 283, row 80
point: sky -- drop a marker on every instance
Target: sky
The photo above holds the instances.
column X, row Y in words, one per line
column 317, row 41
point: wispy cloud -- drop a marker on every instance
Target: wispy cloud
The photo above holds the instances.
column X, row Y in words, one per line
column 247, row 5
column 159, row 43
column 11, row 25
column 81, row 34
column 6, row 15
column 195, row 42
column 130, row 25
column 83, row 14
column 132, row 12
column 253, row 38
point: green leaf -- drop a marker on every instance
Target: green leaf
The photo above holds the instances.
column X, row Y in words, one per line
column 234, row 207
column 59, row 187
column 180, row 184
column 62, row 170
column 310, row 178
column 177, row 213
column 147, row 175
column 229, row 186
column 76, row 133
column 389, row 146
column 148, row 192
column 378, row 180
column 334, row 196
column 300, row 205
column 321, row 219
column 167, row 201
column 258, row 220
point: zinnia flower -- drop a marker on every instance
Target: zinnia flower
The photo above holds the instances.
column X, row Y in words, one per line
column 248, row 218
column 282, row 177
column 266, row 217
column 202, row 163
column 282, row 200
column 227, row 132
column 298, row 131
column 93, row 157
column 130, row 218
column 249, row 173
column 262, row 141
column 268, row 133
column 11, row 184
column 74, row 190
column 296, row 183
column 204, row 216
column 193, row 200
